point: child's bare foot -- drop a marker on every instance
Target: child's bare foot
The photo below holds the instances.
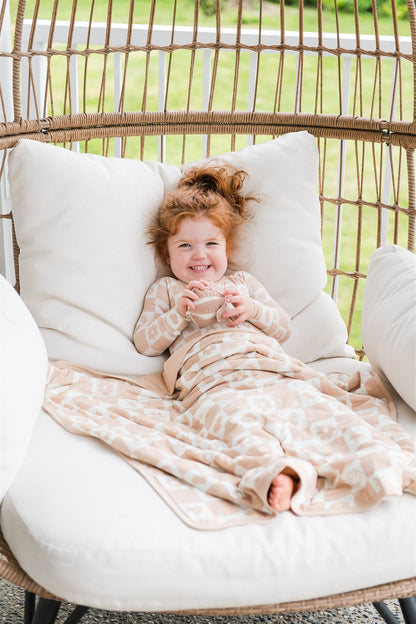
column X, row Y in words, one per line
column 280, row 492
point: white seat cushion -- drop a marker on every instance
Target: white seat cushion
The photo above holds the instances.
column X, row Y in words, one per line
column 97, row 534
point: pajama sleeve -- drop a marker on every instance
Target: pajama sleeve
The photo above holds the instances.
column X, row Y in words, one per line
column 270, row 317
column 159, row 323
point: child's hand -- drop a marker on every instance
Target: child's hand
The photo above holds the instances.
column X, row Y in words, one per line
column 186, row 302
column 244, row 307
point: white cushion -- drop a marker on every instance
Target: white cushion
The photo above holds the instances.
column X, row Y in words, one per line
column 23, row 370
column 389, row 318
column 97, row 533
column 318, row 331
column 85, row 266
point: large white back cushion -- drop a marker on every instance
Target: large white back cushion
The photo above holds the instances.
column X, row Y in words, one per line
column 81, row 223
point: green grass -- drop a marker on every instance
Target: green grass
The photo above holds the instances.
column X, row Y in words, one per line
column 364, row 170
column 185, row 10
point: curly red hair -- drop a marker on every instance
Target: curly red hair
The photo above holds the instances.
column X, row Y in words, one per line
column 210, row 191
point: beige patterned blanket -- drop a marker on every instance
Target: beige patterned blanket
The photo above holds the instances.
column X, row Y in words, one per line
column 228, row 414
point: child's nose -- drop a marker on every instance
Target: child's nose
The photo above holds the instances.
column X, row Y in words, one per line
column 199, row 252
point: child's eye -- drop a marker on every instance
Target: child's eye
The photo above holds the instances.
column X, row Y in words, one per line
column 184, row 245
column 212, row 243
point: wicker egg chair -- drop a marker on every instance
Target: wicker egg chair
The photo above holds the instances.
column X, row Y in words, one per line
column 128, row 82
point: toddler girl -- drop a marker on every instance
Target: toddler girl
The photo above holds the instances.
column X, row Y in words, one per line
column 195, row 233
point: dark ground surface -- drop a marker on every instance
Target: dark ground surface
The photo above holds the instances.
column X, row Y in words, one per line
column 11, row 612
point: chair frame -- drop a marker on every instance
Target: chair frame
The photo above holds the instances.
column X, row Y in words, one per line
column 29, row 109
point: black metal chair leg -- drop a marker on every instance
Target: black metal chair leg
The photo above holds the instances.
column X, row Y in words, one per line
column 46, row 611
column 408, row 606
column 30, row 604
column 385, row 613
column 76, row 615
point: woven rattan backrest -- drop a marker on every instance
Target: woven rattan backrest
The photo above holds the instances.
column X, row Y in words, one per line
column 176, row 80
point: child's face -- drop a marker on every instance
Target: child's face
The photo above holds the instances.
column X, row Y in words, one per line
column 198, row 250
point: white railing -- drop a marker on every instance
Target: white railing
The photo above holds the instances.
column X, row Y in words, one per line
column 183, row 35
